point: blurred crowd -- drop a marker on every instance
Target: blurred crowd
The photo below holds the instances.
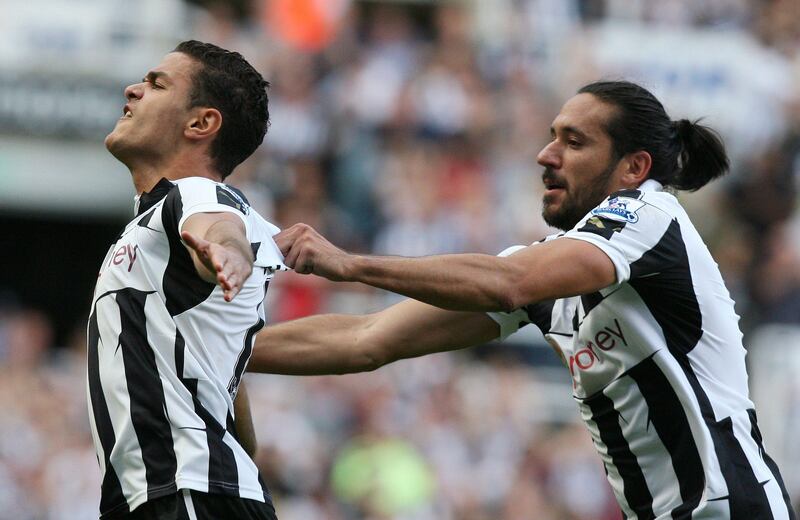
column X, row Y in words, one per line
column 400, row 128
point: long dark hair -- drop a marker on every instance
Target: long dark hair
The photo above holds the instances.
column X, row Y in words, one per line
column 686, row 155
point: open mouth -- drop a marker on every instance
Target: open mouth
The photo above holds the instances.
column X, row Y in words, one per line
column 551, row 187
column 551, row 182
column 126, row 113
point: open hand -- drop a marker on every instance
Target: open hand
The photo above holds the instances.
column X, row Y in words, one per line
column 307, row 252
column 225, row 267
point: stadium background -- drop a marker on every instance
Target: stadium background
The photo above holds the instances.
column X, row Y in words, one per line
column 398, row 127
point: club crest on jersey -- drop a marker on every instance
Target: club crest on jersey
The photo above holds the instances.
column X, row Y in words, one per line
column 621, row 209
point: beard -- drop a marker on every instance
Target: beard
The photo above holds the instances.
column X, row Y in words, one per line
column 576, row 204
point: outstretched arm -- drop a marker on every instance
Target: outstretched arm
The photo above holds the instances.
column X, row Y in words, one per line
column 219, row 249
column 339, row 343
column 466, row 282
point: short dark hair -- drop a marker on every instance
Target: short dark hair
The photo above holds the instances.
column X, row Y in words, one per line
column 686, row 155
column 226, row 81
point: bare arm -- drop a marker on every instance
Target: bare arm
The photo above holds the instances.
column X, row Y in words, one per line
column 244, row 421
column 467, row 282
column 219, row 249
column 339, row 343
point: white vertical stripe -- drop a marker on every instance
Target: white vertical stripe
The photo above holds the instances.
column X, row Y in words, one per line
column 188, row 431
column 715, row 482
column 187, row 499
column 741, row 430
column 93, row 427
column 126, row 457
column 643, row 441
column 249, row 486
column 614, row 478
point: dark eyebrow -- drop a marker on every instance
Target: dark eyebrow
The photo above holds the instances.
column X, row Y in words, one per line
column 570, row 130
column 152, row 76
column 575, row 131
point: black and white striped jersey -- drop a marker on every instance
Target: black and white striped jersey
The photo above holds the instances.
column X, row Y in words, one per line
column 166, row 353
column 658, row 368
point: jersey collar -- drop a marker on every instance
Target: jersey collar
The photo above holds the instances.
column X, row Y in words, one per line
column 148, row 199
column 651, row 185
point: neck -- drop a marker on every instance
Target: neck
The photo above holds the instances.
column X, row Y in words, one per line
column 145, row 176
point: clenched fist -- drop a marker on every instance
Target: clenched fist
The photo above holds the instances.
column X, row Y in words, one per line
column 308, row 252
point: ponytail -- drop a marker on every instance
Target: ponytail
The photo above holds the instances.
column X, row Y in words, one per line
column 702, row 157
column 685, row 154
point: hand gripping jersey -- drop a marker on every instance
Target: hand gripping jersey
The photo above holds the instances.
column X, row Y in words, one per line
column 166, row 353
column 658, row 368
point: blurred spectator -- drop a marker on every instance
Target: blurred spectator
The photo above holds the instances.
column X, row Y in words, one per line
column 45, row 446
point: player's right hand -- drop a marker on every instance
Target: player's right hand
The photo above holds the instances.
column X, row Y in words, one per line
column 224, row 266
column 308, row 252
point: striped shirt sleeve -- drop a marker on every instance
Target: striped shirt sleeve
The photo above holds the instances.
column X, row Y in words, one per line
column 537, row 313
column 626, row 228
column 265, row 250
column 200, row 195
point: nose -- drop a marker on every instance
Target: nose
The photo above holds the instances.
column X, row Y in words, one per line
column 134, row 91
column 550, row 155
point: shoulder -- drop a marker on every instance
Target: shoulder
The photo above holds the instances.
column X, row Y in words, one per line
column 195, row 184
column 630, row 206
column 203, row 191
column 190, row 186
column 513, row 249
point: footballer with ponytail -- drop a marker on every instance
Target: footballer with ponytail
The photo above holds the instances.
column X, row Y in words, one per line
column 628, row 295
column 686, row 155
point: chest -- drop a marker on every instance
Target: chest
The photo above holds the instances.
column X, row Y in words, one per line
column 599, row 346
column 136, row 256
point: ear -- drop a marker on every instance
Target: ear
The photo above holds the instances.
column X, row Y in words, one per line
column 205, row 123
column 637, row 168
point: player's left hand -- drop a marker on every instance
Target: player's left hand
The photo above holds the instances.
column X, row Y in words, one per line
column 308, row 252
column 226, row 267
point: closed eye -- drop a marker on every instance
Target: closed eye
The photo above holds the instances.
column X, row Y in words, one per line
column 152, row 79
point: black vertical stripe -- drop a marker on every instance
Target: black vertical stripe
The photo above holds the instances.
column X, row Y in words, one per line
column 145, row 220
column 576, row 322
column 746, row 494
column 635, row 487
column 669, row 420
column 183, row 511
column 234, row 199
column 604, row 227
column 755, row 432
column 541, row 314
column 112, row 498
column 183, row 288
column 230, row 426
column 223, row 476
column 150, row 198
column 244, row 356
column 148, row 405
column 180, row 355
column 668, row 257
column 238, row 193
column 590, row 301
column 671, row 299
